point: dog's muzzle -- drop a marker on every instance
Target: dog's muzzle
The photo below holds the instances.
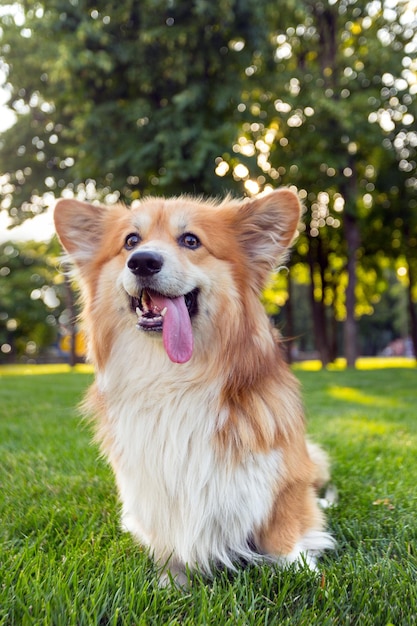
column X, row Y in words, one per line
column 158, row 312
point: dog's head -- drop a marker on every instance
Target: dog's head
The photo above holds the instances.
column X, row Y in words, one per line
column 176, row 267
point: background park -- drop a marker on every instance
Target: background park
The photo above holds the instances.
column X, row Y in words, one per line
column 115, row 101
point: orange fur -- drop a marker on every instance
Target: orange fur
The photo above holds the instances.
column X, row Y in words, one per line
column 232, row 411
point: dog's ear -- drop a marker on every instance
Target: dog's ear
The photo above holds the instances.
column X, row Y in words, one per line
column 266, row 227
column 80, row 227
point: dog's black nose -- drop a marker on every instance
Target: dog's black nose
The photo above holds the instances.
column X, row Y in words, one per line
column 145, row 263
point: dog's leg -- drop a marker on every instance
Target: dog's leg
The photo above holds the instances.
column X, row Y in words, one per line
column 174, row 574
column 294, row 531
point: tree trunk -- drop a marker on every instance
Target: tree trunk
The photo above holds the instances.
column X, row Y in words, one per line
column 412, row 308
column 333, row 329
column 319, row 321
column 323, row 261
column 352, row 236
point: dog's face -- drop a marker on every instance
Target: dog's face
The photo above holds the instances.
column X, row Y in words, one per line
column 176, row 268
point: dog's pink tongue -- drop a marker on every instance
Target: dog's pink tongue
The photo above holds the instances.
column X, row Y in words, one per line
column 177, row 333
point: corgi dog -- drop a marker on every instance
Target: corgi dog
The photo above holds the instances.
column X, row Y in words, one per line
column 195, row 407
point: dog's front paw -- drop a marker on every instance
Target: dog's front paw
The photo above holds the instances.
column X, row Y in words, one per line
column 309, row 549
column 174, row 575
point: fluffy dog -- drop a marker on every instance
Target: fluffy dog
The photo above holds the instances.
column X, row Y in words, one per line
column 196, row 410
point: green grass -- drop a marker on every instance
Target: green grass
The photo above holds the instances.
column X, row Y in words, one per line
column 63, row 560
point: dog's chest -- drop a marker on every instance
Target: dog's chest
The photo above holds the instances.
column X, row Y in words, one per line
column 164, row 437
column 180, row 492
column 172, row 479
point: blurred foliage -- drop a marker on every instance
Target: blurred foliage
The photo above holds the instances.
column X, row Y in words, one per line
column 139, row 97
column 117, row 100
column 32, row 298
column 337, row 120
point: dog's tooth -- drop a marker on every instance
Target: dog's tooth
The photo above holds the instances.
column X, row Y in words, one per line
column 163, row 312
column 138, row 312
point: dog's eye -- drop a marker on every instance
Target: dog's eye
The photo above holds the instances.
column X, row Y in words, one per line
column 188, row 240
column 131, row 241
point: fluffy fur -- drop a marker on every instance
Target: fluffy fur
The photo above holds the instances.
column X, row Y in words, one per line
column 207, row 446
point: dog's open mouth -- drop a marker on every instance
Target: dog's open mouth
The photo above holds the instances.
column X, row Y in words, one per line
column 172, row 317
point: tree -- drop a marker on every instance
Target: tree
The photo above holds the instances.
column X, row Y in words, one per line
column 115, row 100
column 31, row 297
column 393, row 219
column 136, row 97
column 314, row 128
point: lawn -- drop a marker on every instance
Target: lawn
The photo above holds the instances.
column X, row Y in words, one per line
column 64, row 561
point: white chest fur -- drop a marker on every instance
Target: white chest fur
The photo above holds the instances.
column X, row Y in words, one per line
column 179, row 495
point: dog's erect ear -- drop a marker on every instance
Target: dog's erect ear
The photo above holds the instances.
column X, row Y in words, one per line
column 266, row 226
column 79, row 226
